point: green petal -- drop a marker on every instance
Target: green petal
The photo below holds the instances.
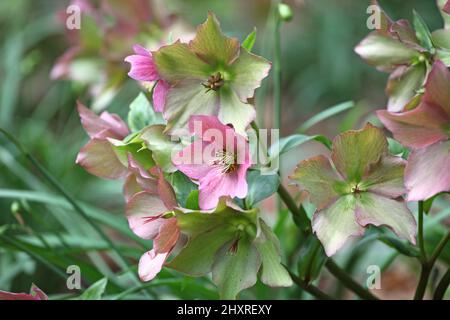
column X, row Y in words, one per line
column 441, row 38
column 355, row 151
column 247, row 73
column 272, row 273
column 378, row 210
column 232, row 271
column 211, row 45
column 161, row 145
column 234, row 111
column 316, row 176
column 186, row 98
column 336, row 223
column 177, row 62
column 385, row 52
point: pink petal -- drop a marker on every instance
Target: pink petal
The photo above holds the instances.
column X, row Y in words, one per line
column 428, row 171
column 203, row 126
column 116, row 124
column 151, row 264
column 166, row 193
column 142, row 65
column 191, row 162
column 98, row 158
column 61, row 67
column 145, row 180
column 143, row 213
column 167, row 237
column 417, row 128
column 159, row 95
column 447, row 7
column 437, row 88
column 35, row 294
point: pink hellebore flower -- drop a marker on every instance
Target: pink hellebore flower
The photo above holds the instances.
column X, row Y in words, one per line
column 218, row 160
column 150, row 216
column 98, row 156
column 35, row 294
column 143, row 69
column 447, row 7
column 426, row 129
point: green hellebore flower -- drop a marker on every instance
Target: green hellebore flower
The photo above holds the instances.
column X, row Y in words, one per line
column 358, row 186
column 233, row 244
column 211, row 75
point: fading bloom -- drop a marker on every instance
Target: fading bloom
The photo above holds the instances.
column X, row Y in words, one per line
column 394, row 48
column 143, row 69
column 211, row 75
column 234, row 245
column 357, row 187
column 150, row 215
column 426, row 129
column 218, row 161
column 35, row 294
column 98, row 156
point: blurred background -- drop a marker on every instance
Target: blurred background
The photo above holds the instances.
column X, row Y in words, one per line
column 45, row 68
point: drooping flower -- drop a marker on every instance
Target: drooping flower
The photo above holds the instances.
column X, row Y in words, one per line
column 218, row 160
column 394, row 48
column 426, row 129
column 233, row 244
column 143, row 69
column 35, row 294
column 211, row 75
column 150, row 216
column 357, row 187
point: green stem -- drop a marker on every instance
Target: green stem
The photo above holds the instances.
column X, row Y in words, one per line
column 442, row 286
column 423, row 254
column 310, row 265
column 69, row 198
column 348, row 281
column 311, row 289
column 299, row 213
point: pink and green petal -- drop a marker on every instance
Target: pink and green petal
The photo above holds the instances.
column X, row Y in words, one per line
column 335, row 224
column 35, row 294
column 437, row 88
column 167, row 237
column 381, row 211
column 417, row 128
column 355, row 151
column 212, row 46
column 428, row 171
column 99, row 158
column 317, row 176
column 159, row 95
column 151, row 264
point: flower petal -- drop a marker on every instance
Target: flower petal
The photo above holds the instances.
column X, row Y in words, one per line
column 167, row 237
column 143, row 213
column 355, row 151
column 151, row 264
column 417, row 128
column 159, row 95
column 211, row 45
column 191, row 162
column 99, row 158
column 428, row 171
column 317, row 177
column 336, row 223
column 142, row 66
column 378, row 210
column 437, row 88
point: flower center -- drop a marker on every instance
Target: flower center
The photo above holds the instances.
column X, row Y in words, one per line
column 226, row 160
column 214, row 82
column 356, row 190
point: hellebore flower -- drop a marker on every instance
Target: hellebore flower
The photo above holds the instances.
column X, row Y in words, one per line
column 233, row 244
column 447, row 7
column 143, row 69
column 358, row 186
column 151, row 216
column 35, row 294
column 218, row 161
column 211, row 75
column 394, row 48
column 426, row 130
column 441, row 37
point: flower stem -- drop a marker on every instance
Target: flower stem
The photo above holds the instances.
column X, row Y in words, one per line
column 423, row 254
column 298, row 212
column 47, row 175
column 442, row 286
column 311, row 289
column 348, row 281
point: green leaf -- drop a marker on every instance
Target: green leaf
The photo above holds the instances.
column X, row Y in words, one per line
column 272, row 273
column 312, row 259
column 401, row 246
column 249, row 41
column 328, row 113
column 182, row 186
column 141, row 114
column 422, row 31
column 161, row 145
column 235, row 271
column 260, row 186
column 192, row 201
column 95, row 291
column 428, row 203
column 397, row 149
column 287, row 143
